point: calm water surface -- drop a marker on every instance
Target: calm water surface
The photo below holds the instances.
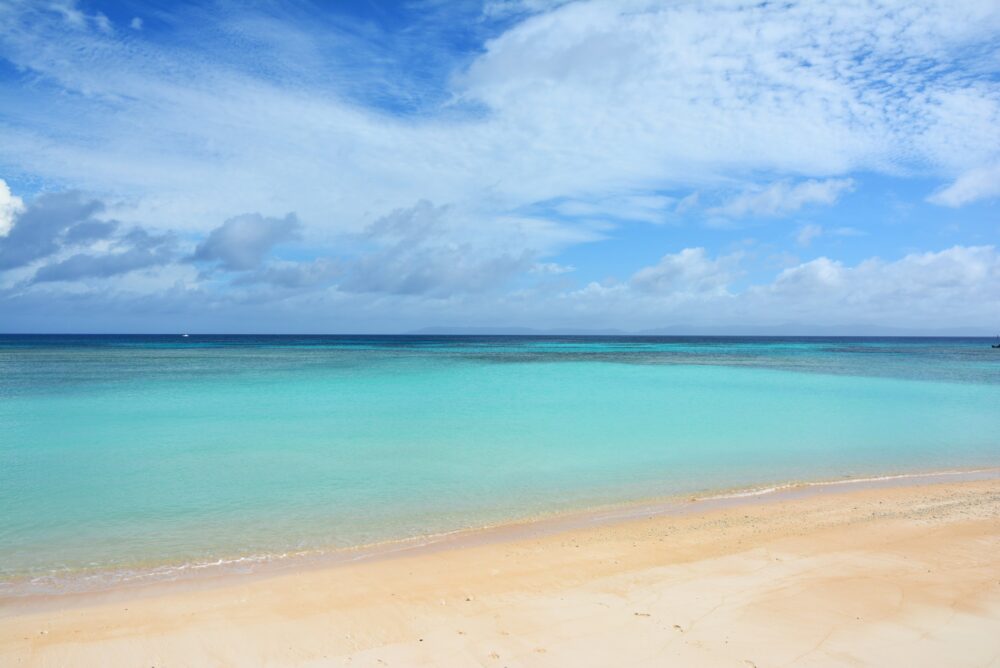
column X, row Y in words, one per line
column 119, row 454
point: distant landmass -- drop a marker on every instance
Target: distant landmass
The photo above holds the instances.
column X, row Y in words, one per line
column 692, row 330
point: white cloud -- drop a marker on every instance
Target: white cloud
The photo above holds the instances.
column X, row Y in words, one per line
column 135, row 23
column 622, row 98
column 783, row 198
column 419, row 250
column 10, row 206
column 810, row 232
column 687, row 90
column 956, row 286
column 551, row 268
column 243, row 242
column 942, row 290
column 975, row 184
column 508, row 8
column 687, row 203
column 600, row 106
column 645, row 208
column 688, row 273
column 103, row 23
column 807, row 233
column 69, row 13
column 939, row 290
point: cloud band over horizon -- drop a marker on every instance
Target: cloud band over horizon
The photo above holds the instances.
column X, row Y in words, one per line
column 589, row 164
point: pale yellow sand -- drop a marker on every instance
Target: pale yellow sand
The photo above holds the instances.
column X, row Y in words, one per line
column 908, row 576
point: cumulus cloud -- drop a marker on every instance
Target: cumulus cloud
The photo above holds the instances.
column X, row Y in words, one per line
column 783, row 198
column 688, row 273
column 563, row 123
column 948, row 289
column 10, row 206
column 242, row 243
column 956, row 269
column 932, row 288
column 137, row 249
column 975, row 184
column 49, row 223
column 60, row 235
column 942, row 290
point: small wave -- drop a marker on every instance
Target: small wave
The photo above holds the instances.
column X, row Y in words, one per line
column 762, row 491
column 744, row 493
column 73, row 581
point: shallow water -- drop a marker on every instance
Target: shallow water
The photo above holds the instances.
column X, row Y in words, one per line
column 119, row 454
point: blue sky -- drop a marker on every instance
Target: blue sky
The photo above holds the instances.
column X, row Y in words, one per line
column 384, row 167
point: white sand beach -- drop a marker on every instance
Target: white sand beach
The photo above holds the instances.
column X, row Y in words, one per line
column 905, row 575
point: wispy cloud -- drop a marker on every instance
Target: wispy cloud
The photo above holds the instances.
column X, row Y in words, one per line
column 416, row 251
column 975, row 184
column 533, row 127
column 783, row 198
column 571, row 100
column 811, row 231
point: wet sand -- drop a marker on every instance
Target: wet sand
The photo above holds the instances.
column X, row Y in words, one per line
column 900, row 573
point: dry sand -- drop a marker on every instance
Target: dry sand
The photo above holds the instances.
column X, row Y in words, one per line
column 900, row 576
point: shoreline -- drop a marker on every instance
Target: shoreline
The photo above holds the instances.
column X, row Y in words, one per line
column 269, row 565
column 224, row 571
column 899, row 573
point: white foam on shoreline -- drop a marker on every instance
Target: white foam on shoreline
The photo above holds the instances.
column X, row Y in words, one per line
column 762, row 491
column 76, row 581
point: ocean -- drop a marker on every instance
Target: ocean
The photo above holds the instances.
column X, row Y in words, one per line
column 131, row 457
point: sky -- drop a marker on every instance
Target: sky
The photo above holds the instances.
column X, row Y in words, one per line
column 680, row 166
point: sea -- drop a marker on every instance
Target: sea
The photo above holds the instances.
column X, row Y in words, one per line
column 130, row 458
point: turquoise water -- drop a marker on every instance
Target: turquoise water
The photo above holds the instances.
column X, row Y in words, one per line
column 119, row 454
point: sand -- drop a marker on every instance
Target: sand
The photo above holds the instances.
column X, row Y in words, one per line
column 902, row 576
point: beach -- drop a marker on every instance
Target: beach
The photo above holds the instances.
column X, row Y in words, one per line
column 499, row 333
column 906, row 573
